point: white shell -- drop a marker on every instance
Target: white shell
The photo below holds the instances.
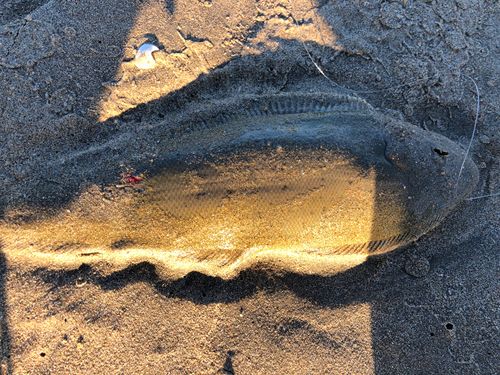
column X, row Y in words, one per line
column 144, row 58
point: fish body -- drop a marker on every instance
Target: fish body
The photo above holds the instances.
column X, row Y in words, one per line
column 322, row 174
column 319, row 174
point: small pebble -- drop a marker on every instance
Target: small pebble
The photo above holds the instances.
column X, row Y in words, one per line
column 417, row 266
column 484, row 139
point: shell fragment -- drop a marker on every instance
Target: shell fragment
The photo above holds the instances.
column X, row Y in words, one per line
column 144, row 58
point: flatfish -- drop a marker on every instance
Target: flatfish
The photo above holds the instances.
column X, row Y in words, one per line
column 321, row 175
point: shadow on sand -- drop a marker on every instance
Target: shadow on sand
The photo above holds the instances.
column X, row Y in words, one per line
column 357, row 285
column 5, row 335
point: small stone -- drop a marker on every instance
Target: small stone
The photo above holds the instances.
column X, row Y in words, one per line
column 484, row 139
column 69, row 33
column 392, row 15
column 455, row 39
column 417, row 266
column 80, row 342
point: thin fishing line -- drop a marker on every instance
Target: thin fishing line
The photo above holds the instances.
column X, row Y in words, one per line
column 473, row 130
column 335, row 84
column 483, row 196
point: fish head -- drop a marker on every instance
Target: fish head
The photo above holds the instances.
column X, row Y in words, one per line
column 432, row 170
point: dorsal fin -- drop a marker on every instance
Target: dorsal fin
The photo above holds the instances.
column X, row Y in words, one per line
column 273, row 105
column 283, row 104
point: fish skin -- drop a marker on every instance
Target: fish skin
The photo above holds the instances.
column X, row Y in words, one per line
column 408, row 170
column 319, row 174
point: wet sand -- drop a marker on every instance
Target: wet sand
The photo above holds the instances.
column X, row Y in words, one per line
column 77, row 115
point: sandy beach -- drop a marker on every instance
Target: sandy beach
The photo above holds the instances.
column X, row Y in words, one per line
column 79, row 121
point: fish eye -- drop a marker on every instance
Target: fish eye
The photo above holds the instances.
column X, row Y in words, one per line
column 441, row 151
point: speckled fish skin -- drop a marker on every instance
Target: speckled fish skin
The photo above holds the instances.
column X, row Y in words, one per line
column 285, row 176
column 321, row 173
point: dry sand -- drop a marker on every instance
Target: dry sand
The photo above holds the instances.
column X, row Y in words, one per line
column 69, row 85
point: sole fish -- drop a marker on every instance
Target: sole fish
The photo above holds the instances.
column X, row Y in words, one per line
column 291, row 178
